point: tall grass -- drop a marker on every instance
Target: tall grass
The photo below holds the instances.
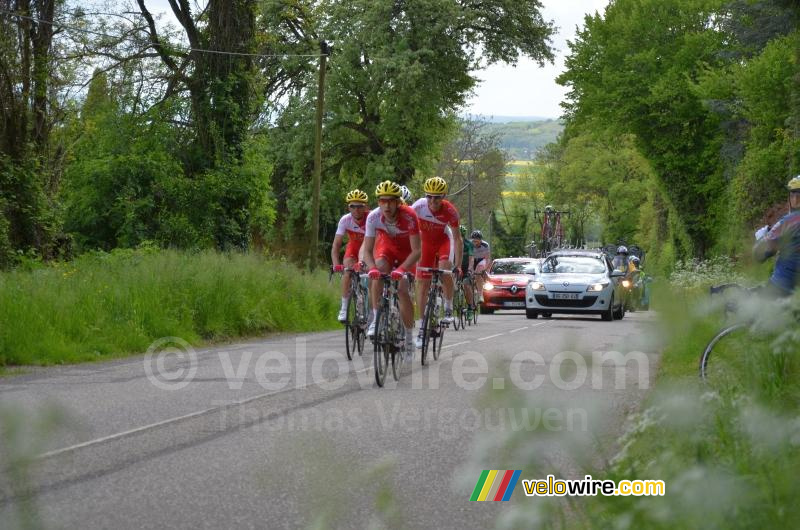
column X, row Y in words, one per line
column 107, row 304
column 728, row 450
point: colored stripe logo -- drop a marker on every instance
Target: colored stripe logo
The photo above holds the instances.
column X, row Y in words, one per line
column 495, row 485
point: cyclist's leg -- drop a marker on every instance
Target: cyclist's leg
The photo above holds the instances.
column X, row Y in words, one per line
column 770, row 291
column 448, row 285
column 406, row 305
column 427, row 259
column 480, row 267
column 467, row 286
column 446, row 258
column 383, row 256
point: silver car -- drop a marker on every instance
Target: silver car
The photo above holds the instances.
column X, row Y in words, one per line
column 576, row 282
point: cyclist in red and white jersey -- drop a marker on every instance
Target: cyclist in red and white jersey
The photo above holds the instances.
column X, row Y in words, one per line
column 441, row 248
column 391, row 244
column 353, row 225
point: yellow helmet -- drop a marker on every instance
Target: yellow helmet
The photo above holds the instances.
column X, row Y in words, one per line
column 435, row 186
column 794, row 184
column 357, row 196
column 388, row 188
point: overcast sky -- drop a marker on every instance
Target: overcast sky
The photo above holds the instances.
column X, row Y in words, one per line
column 524, row 90
column 529, row 90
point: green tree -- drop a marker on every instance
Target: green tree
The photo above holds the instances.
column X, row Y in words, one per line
column 631, row 72
column 399, row 72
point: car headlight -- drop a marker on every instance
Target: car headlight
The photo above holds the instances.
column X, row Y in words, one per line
column 536, row 286
column 597, row 287
column 626, row 283
column 488, row 286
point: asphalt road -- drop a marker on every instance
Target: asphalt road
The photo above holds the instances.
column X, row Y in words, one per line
column 285, row 432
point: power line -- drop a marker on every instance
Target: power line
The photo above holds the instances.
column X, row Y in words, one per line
column 150, row 43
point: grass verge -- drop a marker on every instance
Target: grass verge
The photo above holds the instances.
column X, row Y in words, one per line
column 109, row 304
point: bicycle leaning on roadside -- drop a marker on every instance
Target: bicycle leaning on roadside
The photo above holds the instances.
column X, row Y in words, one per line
column 433, row 324
column 727, row 351
column 355, row 324
column 389, row 339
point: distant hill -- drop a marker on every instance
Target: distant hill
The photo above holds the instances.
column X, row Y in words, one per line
column 521, row 138
column 509, row 119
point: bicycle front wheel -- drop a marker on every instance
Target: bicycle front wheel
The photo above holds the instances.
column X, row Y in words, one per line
column 428, row 327
column 724, row 357
column 351, row 329
column 398, row 352
column 381, row 346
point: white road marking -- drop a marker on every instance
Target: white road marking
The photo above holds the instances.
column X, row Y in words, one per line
column 456, row 344
column 122, row 434
column 518, row 329
column 176, row 419
column 233, row 403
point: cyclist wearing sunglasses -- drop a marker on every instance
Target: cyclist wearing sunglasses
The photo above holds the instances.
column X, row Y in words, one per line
column 353, row 225
column 391, row 243
column 435, row 214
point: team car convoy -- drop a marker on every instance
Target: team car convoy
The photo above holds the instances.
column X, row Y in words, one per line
column 393, row 250
column 505, row 285
column 577, row 282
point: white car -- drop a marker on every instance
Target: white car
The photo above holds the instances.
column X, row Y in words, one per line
column 576, row 282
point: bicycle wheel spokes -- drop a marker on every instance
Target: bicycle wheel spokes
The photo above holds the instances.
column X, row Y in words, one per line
column 350, row 329
column 458, row 306
column 397, row 351
column 725, row 358
column 437, row 341
column 380, row 347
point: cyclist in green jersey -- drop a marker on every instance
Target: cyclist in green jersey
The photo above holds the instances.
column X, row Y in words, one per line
column 467, row 265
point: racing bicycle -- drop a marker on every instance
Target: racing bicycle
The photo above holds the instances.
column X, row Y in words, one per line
column 389, row 340
column 433, row 325
column 355, row 325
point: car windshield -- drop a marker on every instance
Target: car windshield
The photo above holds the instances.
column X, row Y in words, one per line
column 573, row 264
column 513, row 267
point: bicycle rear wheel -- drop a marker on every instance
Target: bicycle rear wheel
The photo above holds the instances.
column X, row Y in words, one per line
column 458, row 308
column 381, row 346
column 725, row 356
column 437, row 340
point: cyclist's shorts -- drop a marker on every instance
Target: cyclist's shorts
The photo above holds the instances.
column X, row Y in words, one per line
column 352, row 248
column 438, row 249
column 393, row 253
column 480, row 265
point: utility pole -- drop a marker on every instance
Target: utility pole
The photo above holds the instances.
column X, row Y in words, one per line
column 469, row 202
column 315, row 186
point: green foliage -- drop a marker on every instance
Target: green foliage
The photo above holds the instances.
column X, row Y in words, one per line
column 398, row 74
column 631, row 72
column 108, row 304
column 125, row 185
column 694, row 106
column 29, row 221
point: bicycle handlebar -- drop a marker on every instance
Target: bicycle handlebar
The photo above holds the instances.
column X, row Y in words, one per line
column 434, row 270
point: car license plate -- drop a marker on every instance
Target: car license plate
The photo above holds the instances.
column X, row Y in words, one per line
column 565, row 296
column 514, row 304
